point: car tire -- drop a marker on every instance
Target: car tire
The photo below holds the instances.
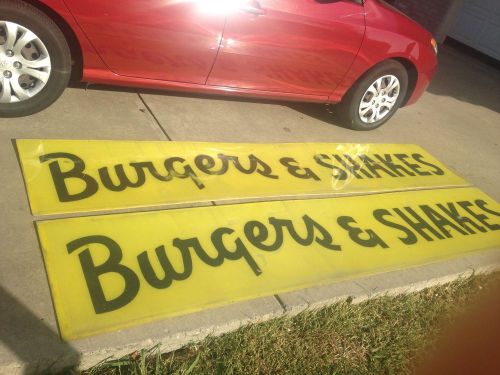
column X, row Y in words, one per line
column 52, row 74
column 375, row 97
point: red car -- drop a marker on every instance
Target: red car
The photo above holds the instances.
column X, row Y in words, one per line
column 362, row 54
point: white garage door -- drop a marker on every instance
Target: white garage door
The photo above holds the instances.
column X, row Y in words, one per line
column 478, row 26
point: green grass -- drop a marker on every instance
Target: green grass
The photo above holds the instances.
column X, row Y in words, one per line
column 386, row 335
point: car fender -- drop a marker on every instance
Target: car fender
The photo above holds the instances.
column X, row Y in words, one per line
column 62, row 16
column 390, row 35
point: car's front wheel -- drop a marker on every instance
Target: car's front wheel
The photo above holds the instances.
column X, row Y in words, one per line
column 374, row 99
column 35, row 61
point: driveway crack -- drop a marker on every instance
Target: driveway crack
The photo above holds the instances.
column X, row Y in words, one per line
column 154, row 116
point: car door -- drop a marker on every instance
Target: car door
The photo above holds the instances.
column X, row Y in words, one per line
column 173, row 40
column 299, row 46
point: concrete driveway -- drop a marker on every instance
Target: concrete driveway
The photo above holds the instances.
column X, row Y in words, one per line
column 457, row 120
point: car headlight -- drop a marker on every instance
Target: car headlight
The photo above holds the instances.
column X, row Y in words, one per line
column 434, row 44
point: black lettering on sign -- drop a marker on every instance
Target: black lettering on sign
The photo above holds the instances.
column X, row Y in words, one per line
column 169, row 273
column 171, row 165
column 314, row 232
column 207, row 163
column 482, row 205
column 363, row 237
column 186, row 172
column 418, row 223
column 381, row 216
column 194, row 243
column 445, row 217
column 420, row 158
column 226, row 246
column 256, row 165
column 465, row 222
column 240, row 251
column 297, row 171
column 414, row 167
column 92, row 272
column 257, row 233
column 76, row 172
column 352, row 166
column 149, row 166
column 337, row 173
column 118, row 178
column 441, row 222
column 375, row 167
column 398, row 169
column 483, row 219
column 123, row 180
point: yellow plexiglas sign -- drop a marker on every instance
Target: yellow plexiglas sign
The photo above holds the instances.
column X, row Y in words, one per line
column 73, row 176
column 112, row 271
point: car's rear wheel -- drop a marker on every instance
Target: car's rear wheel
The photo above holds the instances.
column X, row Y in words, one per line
column 35, row 61
column 374, row 99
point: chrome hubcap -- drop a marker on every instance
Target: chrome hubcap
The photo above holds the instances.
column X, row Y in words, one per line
column 379, row 99
column 24, row 63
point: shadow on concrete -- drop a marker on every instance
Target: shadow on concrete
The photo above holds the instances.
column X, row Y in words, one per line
column 32, row 340
column 468, row 76
column 463, row 73
column 320, row 111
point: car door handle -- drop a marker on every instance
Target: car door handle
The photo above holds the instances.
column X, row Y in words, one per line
column 253, row 7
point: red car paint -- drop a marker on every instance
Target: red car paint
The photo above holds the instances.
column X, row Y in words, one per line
column 302, row 50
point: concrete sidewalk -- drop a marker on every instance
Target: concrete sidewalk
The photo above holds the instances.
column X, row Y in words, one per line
column 458, row 121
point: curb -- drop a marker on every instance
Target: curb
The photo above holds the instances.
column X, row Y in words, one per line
column 172, row 334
